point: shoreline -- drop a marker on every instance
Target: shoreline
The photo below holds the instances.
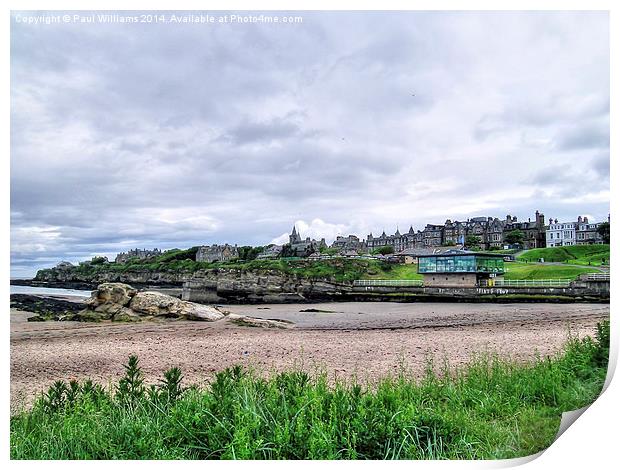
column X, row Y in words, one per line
column 366, row 340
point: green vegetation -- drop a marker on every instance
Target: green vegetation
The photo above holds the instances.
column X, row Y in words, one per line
column 493, row 408
column 517, row 270
column 603, row 231
column 249, row 253
column 587, row 255
column 393, row 271
column 515, row 236
column 343, row 269
column 472, row 242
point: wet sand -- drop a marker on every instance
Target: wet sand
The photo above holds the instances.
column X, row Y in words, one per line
column 367, row 340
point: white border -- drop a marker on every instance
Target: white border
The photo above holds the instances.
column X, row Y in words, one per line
column 589, row 442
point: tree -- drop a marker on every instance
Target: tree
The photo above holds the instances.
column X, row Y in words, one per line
column 249, row 253
column 514, row 237
column 383, row 250
column 603, row 231
column 472, row 241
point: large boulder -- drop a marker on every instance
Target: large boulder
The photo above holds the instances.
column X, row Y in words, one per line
column 111, row 293
column 121, row 302
column 157, row 305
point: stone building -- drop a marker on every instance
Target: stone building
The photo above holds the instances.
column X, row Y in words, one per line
column 137, row 253
column 64, row 265
column 304, row 248
column 270, row 252
column 491, row 232
column 215, row 252
column 349, row 244
column 533, row 231
column 587, row 233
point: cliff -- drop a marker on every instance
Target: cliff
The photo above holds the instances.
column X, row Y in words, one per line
column 236, row 286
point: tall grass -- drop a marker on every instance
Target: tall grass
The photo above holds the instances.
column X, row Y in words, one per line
column 493, row 408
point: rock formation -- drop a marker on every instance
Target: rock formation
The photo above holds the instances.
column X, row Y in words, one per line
column 120, row 302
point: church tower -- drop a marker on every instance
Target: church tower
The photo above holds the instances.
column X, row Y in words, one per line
column 294, row 237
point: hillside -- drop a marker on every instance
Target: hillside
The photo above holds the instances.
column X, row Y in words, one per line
column 174, row 265
column 518, row 270
column 587, row 255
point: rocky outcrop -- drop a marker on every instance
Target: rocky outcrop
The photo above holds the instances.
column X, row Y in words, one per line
column 121, row 302
column 79, row 279
column 268, row 286
column 46, row 308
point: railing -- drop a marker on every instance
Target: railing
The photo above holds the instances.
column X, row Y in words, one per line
column 388, row 283
column 530, row 283
column 596, row 277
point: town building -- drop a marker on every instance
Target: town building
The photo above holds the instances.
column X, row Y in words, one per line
column 64, row 265
column 270, row 252
column 123, row 257
column 220, row 253
column 456, row 268
column 580, row 232
column 587, row 233
column 303, row 248
column 349, row 243
column 490, row 231
column 561, row 233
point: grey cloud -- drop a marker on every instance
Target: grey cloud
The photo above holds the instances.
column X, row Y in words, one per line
column 248, row 132
column 583, row 137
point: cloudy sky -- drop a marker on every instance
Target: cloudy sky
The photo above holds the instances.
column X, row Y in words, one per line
column 174, row 135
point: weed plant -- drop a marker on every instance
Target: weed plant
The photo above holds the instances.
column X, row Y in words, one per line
column 492, row 408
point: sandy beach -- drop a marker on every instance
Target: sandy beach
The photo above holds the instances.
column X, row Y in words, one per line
column 366, row 340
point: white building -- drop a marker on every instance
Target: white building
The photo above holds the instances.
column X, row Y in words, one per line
column 561, row 233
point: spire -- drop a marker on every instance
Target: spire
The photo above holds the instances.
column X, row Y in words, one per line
column 411, row 229
column 294, row 232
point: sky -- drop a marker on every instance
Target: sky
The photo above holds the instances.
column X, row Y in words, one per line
column 176, row 135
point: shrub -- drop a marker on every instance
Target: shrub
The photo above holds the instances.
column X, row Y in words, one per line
column 492, row 408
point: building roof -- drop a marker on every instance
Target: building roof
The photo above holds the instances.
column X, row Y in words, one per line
column 463, row 253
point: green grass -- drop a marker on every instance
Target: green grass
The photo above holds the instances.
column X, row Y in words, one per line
column 393, row 271
column 493, row 408
column 517, row 270
column 579, row 254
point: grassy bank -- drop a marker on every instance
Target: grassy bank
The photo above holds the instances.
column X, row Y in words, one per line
column 518, row 270
column 342, row 269
column 339, row 270
column 587, row 255
column 491, row 409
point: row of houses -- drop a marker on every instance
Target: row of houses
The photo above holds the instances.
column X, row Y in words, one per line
column 490, row 233
column 581, row 232
column 484, row 233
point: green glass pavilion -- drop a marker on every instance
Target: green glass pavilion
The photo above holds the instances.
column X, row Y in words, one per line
column 466, row 269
